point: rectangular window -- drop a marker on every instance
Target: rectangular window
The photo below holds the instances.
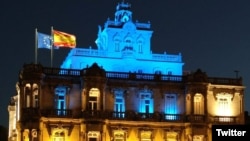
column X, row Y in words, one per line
column 117, row 47
column 140, row 47
column 27, row 101
column 146, row 103
column 60, row 102
column 35, row 101
column 198, row 105
column 119, row 105
column 223, row 106
column 171, row 107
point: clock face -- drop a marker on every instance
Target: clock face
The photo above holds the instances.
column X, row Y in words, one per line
column 125, row 18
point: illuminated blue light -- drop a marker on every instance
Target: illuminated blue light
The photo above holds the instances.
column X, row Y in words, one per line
column 124, row 46
column 171, row 107
column 146, row 103
column 119, row 104
column 60, row 96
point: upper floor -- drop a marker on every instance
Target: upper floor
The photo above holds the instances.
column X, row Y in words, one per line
column 94, row 93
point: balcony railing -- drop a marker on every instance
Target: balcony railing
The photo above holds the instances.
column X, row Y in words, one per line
column 196, row 118
column 174, row 117
column 129, row 76
column 56, row 113
column 223, row 119
column 31, row 113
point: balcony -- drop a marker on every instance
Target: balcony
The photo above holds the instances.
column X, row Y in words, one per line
column 196, row 118
column 35, row 113
column 57, row 113
column 34, row 69
column 133, row 116
column 174, row 117
column 30, row 113
column 223, row 120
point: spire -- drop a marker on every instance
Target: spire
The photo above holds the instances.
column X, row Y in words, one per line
column 123, row 13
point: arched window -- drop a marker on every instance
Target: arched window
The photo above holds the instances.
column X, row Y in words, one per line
column 35, row 96
column 27, row 90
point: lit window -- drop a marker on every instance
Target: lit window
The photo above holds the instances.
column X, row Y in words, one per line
column 146, row 103
column 146, row 136
column 94, row 99
column 198, row 104
column 198, row 137
column 119, row 135
column 35, row 97
column 59, row 136
column 170, row 106
column 60, row 93
column 119, row 104
column 223, row 104
column 27, row 95
column 171, row 136
column 93, row 136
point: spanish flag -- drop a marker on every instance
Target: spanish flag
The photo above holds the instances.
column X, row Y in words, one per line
column 62, row 39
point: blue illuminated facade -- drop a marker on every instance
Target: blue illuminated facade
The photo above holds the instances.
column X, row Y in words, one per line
column 124, row 45
column 121, row 91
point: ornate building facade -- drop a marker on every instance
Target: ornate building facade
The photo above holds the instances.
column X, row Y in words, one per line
column 121, row 91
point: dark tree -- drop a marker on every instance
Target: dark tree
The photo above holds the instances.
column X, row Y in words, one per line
column 3, row 133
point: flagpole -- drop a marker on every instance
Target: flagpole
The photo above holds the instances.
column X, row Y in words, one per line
column 52, row 46
column 36, row 46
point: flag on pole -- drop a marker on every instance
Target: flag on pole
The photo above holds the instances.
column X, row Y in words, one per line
column 62, row 39
column 44, row 41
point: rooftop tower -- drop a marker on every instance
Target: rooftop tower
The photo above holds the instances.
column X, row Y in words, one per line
column 124, row 45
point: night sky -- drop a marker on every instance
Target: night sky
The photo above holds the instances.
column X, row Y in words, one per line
column 212, row 35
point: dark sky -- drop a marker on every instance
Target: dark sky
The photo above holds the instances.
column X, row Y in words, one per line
column 213, row 35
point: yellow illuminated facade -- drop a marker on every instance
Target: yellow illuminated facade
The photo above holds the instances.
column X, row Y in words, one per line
column 95, row 105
